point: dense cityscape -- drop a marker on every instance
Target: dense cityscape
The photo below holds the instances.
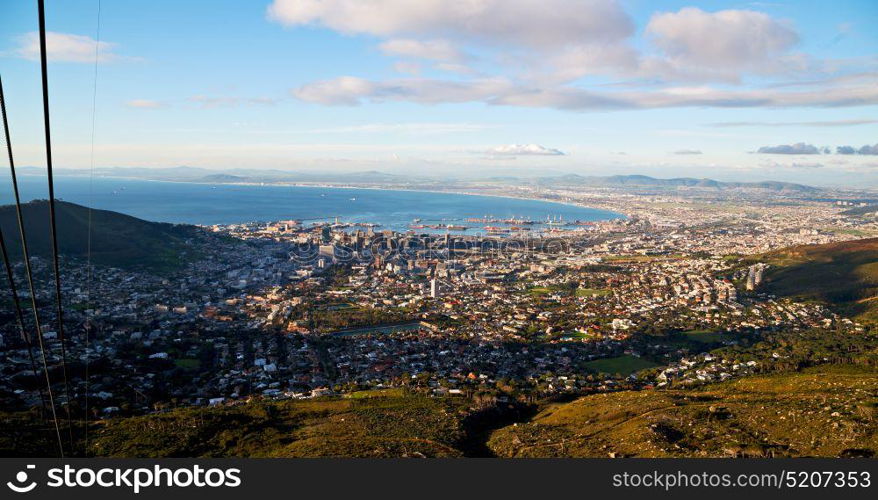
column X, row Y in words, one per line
column 253, row 248
column 296, row 310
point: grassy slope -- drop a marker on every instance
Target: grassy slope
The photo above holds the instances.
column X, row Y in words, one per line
column 390, row 426
column 624, row 365
column 830, row 411
column 843, row 274
column 117, row 240
column 819, row 412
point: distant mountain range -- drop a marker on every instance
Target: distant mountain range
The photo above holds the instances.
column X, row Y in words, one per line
column 196, row 174
column 644, row 180
column 117, row 240
column 374, row 177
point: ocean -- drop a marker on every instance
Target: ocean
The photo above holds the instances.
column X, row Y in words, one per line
column 206, row 204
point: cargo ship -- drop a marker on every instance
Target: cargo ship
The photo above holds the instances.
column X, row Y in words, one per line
column 518, row 222
column 555, row 221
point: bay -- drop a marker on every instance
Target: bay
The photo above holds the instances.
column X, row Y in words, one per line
column 206, row 204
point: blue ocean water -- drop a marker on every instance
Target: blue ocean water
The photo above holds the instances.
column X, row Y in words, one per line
column 229, row 204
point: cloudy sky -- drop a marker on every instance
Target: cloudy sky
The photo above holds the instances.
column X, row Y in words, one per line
column 730, row 90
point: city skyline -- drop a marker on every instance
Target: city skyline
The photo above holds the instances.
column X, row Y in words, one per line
column 726, row 90
column 495, row 229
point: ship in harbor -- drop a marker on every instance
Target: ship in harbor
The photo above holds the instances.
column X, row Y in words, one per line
column 488, row 219
column 555, row 221
column 450, row 227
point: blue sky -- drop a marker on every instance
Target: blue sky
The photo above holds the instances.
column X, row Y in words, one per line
column 455, row 86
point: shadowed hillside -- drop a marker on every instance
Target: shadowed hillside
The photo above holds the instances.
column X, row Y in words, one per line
column 383, row 424
column 117, row 240
column 844, row 275
column 374, row 427
column 828, row 411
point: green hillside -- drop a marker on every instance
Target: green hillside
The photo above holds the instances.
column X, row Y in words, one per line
column 374, row 427
column 386, row 424
column 844, row 275
column 117, row 240
column 828, row 411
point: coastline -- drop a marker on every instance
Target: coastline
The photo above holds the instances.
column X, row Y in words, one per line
column 367, row 187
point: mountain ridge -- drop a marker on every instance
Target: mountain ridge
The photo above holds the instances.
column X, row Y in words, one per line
column 117, row 240
column 198, row 174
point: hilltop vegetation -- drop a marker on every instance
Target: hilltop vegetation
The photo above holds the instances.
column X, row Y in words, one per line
column 381, row 424
column 117, row 240
column 393, row 426
column 827, row 411
column 817, row 395
column 843, row 275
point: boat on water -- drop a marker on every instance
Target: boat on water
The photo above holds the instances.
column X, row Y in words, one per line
column 487, row 219
column 555, row 221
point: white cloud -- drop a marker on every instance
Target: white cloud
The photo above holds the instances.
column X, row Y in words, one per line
column 524, row 150
column 538, row 54
column 692, row 46
column 351, row 91
column 593, row 59
column 436, row 50
column 850, row 150
column 345, row 90
column 545, row 24
column 144, row 104
column 800, row 148
column 65, row 47
column 462, row 69
column 408, row 67
column 733, row 39
column 499, row 91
